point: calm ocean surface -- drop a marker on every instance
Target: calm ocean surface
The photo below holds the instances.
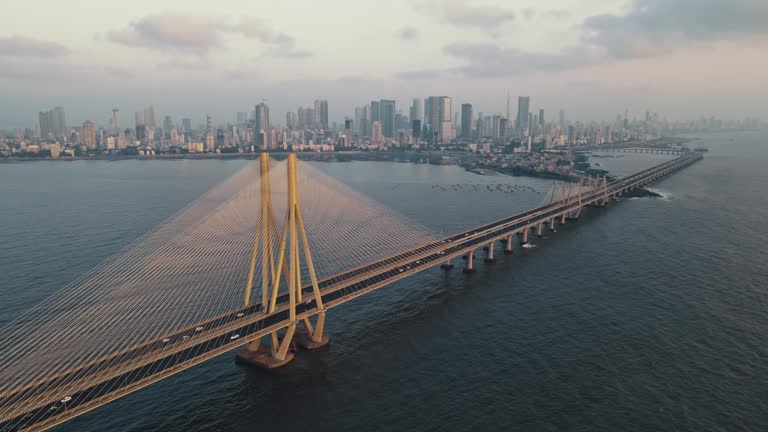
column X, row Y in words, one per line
column 648, row 315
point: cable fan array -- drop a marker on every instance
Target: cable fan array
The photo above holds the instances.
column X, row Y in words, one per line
column 191, row 268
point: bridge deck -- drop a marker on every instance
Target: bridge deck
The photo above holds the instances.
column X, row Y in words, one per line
column 38, row 406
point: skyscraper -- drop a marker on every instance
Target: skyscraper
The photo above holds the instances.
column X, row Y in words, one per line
column 541, row 118
column 387, row 118
column 149, row 116
column 290, row 120
column 466, row 120
column 208, row 123
column 140, row 118
column 116, row 119
column 375, row 112
column 446, row 129
column 361, row 121
column 437, row 117
column 416, row 109
column 321, row 114
column 167, row 126
column 523, row 110
column 186, row 125
column 261, row 126
column 88, row 135
column 562, row 119
column 377, row 135
column 416, row 130
column 52, row 122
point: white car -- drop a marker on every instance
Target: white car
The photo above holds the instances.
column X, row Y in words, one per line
column 239, row 315
column 235, row 336
column 166, row 340
column 198, row 329
column 400, row 270
column 185, row 337
column 66, row 399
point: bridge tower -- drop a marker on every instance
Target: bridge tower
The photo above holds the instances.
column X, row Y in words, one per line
column 291, row 241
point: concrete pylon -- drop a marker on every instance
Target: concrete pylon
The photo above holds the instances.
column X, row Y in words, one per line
column 470, row 268
column 490, row 259
column 508, row 245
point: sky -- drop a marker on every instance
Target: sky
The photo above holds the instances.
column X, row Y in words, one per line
column 593, row 58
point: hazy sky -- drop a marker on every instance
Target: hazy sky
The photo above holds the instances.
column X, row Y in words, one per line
column 683, row 58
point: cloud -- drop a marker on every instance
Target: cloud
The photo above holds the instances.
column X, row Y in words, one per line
column 419, row 74
column 528, row 13
column 459, row 13
column 485, row 59
column 258, row 29
column 170, row 31
column 408, row 33
column 651, row 28
column 21, row 46
column 558, row 13
column 656, row 27
column 201, row 33
column 291, row 53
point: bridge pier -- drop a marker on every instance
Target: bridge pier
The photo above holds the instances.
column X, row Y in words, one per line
column 508, row 246
column 539, row 230
column 562, row 218
column 490, row 259
column 311, row 338
column 266, row 357
column 525, row 236
column 447, row 265
column 552, row 225
column 470, row 268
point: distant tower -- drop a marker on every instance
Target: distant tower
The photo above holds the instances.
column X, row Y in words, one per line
column 321, row 114
column 523, row 103
column 466, row 120
column 387, row 117
column 115, row 119
column 508, row 105
column 261, row 128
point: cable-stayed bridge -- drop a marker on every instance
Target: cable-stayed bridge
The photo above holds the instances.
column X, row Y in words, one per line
column 264, row 255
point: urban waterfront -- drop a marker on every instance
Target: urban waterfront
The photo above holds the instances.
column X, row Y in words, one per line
column 645, row 316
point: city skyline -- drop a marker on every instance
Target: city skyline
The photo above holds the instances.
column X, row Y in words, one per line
column 592, row 59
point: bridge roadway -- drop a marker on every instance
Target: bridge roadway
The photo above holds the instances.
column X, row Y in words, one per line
column 38, row 406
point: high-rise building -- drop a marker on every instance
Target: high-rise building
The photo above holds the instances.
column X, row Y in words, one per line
column 149, row 116
column 52, row 123
column 562, row 119
column 571, row 135
column 466, row 120
column 208, row 123
column 290, row 120
column 186, row 125
column 541, row 118
column 88, row 135
column 523, row 112
column 446, row 126
column 321, row 114
column 377, row 134
column 261, row 126
column 361, row 121
column 139, row 118
column 167, row 126
column 300, row 118
column 416, row 109
column 387, row 118
column 375, row 112
column 416, row 130
column 116, row 120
